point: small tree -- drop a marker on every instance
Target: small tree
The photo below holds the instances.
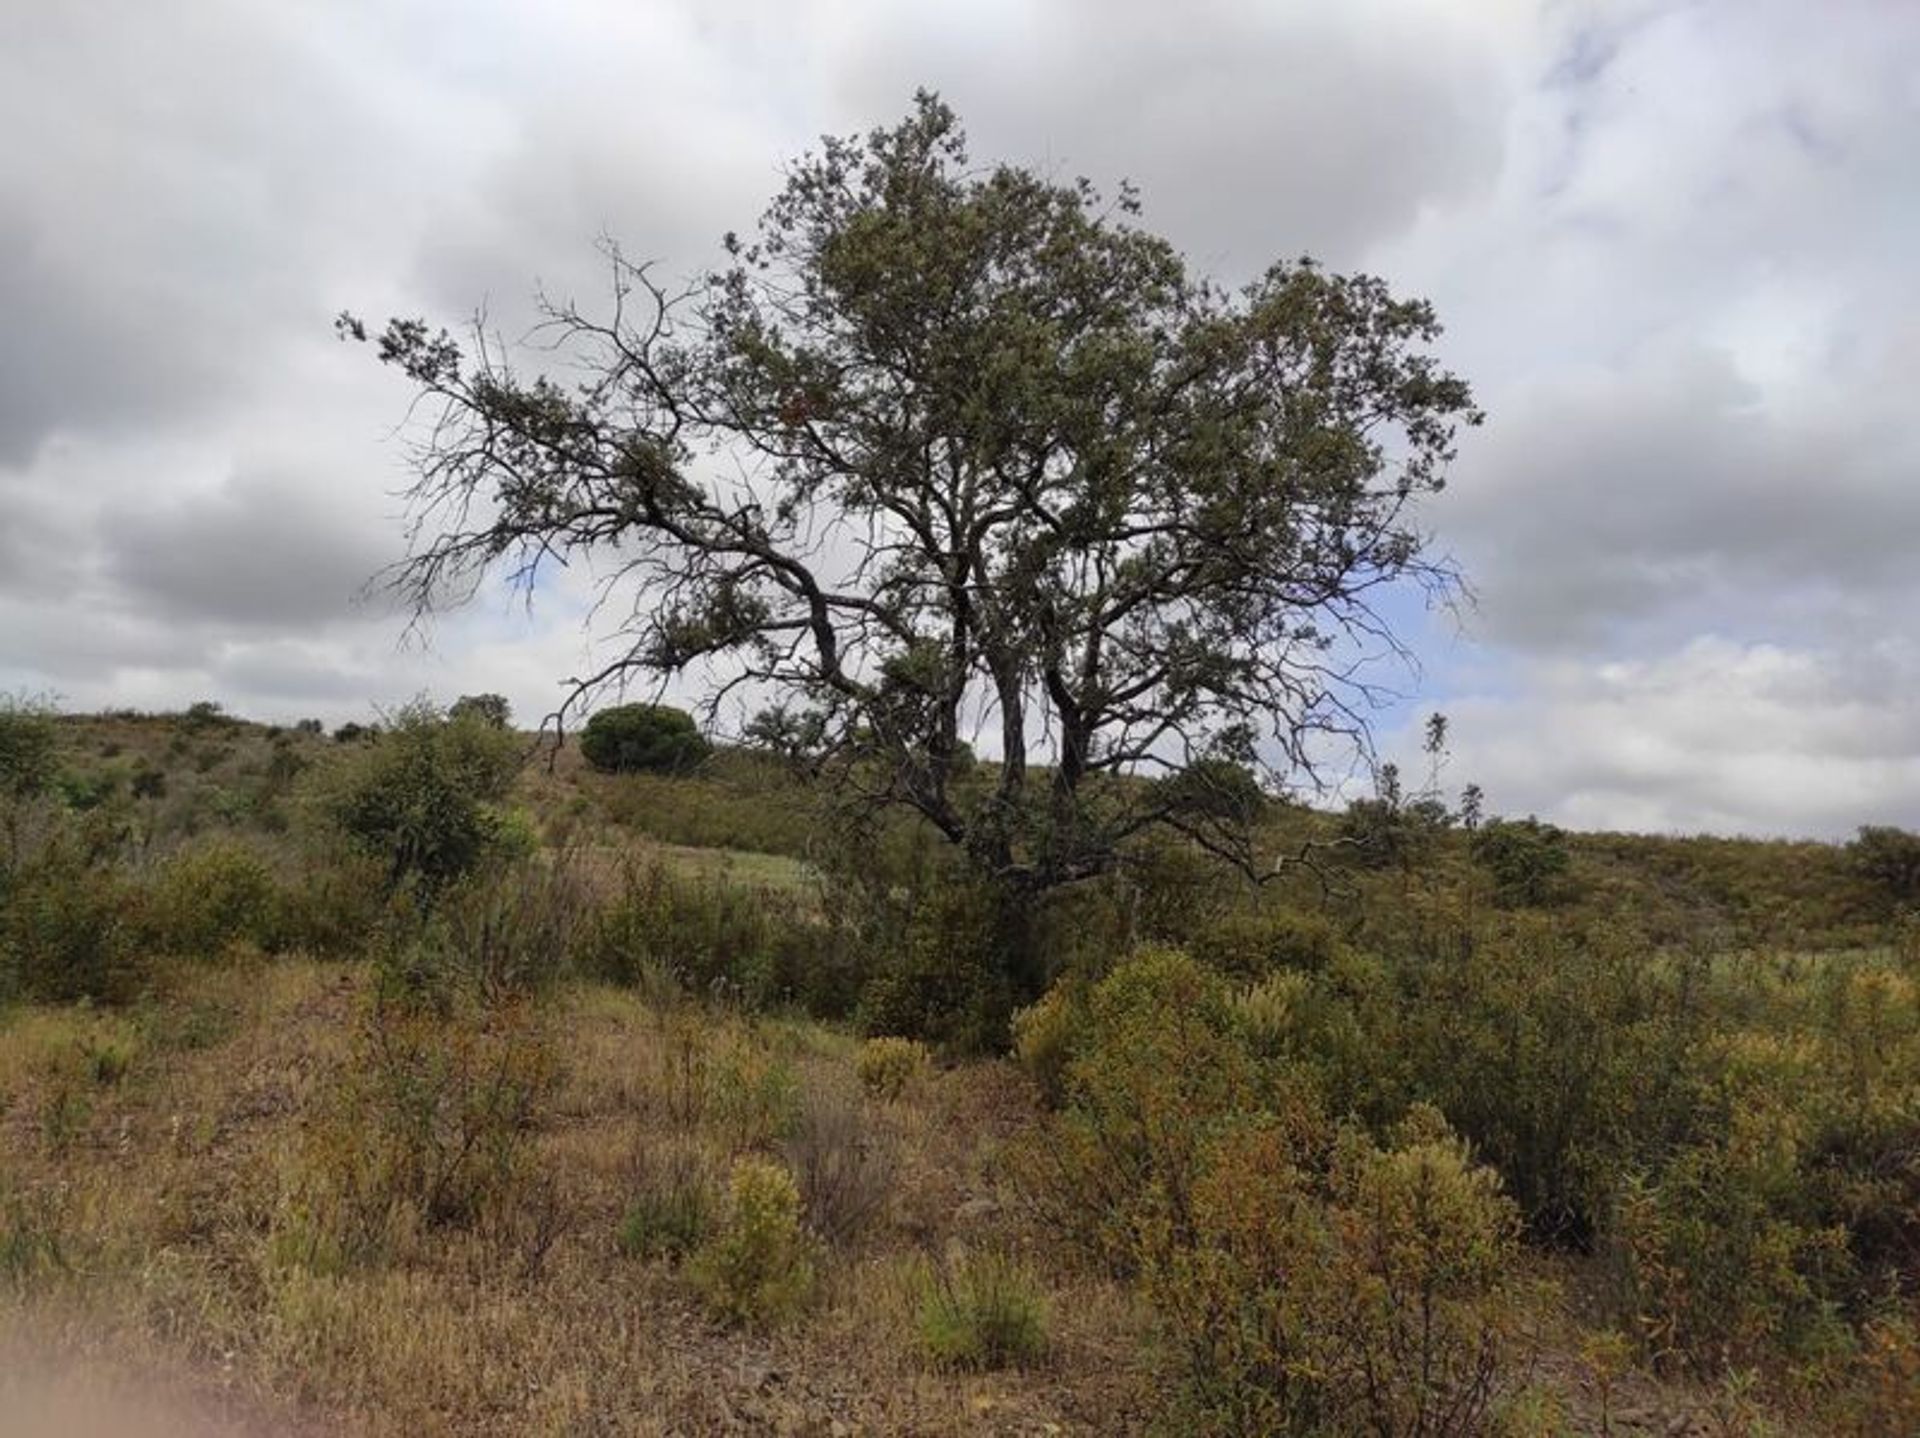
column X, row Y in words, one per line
column 423, row 795
column 643, row 737
column 488, row 708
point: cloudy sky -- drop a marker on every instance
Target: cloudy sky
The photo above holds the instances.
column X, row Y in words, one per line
column 1673, row 244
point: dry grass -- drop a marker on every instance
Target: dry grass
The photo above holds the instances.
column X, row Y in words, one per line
column 160, row 1250
column 176, row 1251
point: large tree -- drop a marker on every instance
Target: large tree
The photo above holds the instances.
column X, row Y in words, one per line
column 949, row 450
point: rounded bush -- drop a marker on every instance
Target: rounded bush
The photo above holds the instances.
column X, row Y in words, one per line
column 653, row 738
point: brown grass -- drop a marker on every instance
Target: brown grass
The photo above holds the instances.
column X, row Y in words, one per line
column 174, row 1258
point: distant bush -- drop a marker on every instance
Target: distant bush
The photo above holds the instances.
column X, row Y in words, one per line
column 757, row 1267
column 309, row 726
column 487, row 708
column 1889, row 859
column 1525, row 857
column 984, row 1311
column 642, row 737
column 887, row 1065
column 425, row 797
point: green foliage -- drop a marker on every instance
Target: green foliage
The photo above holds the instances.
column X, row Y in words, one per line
column 29, row 748
column 1889, row 859
column 1392, row 829
column 208, row 897
column 424, row 796
column 1361, row 1290
column 491, row 709
column 936, row 966
column 1045, row 1035
column 64, row 928
column 644, row 738
column 757, row 1268
column 984, row 1311
column 720, row 940
column 886, row 1065
column 1249, row 943
column 1525, row 857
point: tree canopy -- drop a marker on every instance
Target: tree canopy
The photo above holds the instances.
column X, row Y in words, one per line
column 949, row 450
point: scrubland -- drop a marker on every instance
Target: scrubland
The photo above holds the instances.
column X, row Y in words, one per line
column 677, row 1104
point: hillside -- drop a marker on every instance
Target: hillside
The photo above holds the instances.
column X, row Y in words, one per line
column 676, row 1114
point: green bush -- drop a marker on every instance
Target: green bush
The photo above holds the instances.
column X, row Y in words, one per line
column 1253, row 943
column 208, row 897
column 1525, row 857
column 65, row 932
column 937, row 961
column 29, row 748
column 757, row 1268
column 718, row 939
column 1045, row 1035
column 647, row 738
column 1889, row 859
column 983, row 1312
column 1357, row 1290
column 424, row 796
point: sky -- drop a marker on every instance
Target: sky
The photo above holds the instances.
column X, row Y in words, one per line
column 1672, row 244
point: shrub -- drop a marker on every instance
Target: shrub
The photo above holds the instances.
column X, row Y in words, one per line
column 206, row 898
column 757, row 1268
column 1525, row 857
column 886, row 1066
column 1159, row 1065
column 844, row 1167
column 1250, row 944
column 1424, row 1327
column 512, row 930
column 490, row 709
column 938, row 967
column 1717, row 1255
column 672, row 1211
column 642, row 737
column 64, row 930
column 1371, row 1292
column 1045, row 1035
column 29, row 748
column 422, row 797
column 430, row 1119
column 983, row 1312
column 1889, row 859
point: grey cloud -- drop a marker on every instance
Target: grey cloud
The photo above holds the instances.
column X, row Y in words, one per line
column 262, row 550
column 1256, row 132
column 1713, row 735
column 1672, row 494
